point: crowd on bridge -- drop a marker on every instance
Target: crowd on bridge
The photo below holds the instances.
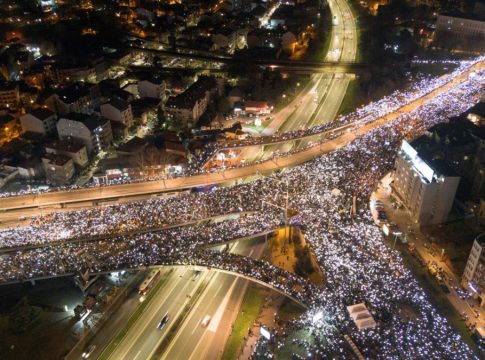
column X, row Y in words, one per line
column 316, row 134
column 359, row 267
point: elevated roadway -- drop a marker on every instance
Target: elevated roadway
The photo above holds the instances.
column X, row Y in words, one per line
column 331, row 67
column 320, row 102
column 17, row 203
column 143, row 339
column 343, row 47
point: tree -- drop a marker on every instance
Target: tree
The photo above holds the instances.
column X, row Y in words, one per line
column 303, row 265
column 23, row 316
column 223, row 105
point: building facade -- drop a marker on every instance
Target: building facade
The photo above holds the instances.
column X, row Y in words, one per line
column 9, row 96
column 427, row 192
column 58, row 169
column 473, row 278
column 93, row 132
column 187, row 107
column 118, row 110
column 79, row 98
column 460, row 33
column 42, row 121
column 73, row 150
column 152, row 88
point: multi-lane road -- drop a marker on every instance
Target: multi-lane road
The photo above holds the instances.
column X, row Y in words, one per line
column 321, row 99
column 220, row 299
column 145, row 189
column 327, row 90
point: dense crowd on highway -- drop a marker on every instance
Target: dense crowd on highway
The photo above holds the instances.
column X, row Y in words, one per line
column 104, row 221
column 358, row 266
column 316, row 135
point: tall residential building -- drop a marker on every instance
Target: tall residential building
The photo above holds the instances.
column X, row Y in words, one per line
column 93, row 132
column 118, row 110
column 42, row 121
column 188, row 107
column 426, row 186
column 473, row 277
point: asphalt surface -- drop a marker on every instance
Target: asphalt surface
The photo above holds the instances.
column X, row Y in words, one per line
column 144, row 335
column 320, row 101
column 147, row 189
column 330, row 91
column 220, row 299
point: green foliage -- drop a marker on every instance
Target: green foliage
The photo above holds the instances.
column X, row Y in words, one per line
column 223, row 105
column 23, row 316
column 250, row 309
column 303, row 265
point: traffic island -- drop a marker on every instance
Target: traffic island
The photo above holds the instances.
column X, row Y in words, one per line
column 291, row 252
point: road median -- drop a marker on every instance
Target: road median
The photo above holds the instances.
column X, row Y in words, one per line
column 108, row 351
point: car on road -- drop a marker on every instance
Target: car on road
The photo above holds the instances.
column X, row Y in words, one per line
column 205, row 321
column 196, row 275
column 87, row 353
column 163, row 322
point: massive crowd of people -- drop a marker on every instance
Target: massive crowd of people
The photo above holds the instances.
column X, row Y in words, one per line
column 358, row 266
column 315, row 135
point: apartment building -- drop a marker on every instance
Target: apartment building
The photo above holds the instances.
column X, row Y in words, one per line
column 426, row 186
column 42, row 121
column 92, row 131
column 473, row 278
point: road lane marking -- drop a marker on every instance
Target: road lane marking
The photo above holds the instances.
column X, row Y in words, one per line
column 218, row 289
column 222, row 307
column 202, row 352
column 189, row 316
column 154, row 308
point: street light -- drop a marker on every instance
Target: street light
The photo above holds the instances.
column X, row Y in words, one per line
column 285, row 208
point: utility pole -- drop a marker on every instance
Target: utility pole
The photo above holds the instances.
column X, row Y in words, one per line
column 285, row 209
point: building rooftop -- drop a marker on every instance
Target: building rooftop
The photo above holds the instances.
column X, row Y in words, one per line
column 431, row 154
column 119, row 104
column 72, row 93
column 31, row 162
column 189, row 97
column 8, row 86
column 91, row 121
column 5, row 119
column 468, row 16
column 132, row 146
column 41, row 113
column 67, row 146
column 94, row 122
column 59, row 160
column 154, row 79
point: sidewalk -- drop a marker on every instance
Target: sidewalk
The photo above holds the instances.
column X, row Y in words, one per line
column 412, row 232
column 267, row 319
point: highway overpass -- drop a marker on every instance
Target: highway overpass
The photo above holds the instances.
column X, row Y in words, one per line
column 60, row 198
